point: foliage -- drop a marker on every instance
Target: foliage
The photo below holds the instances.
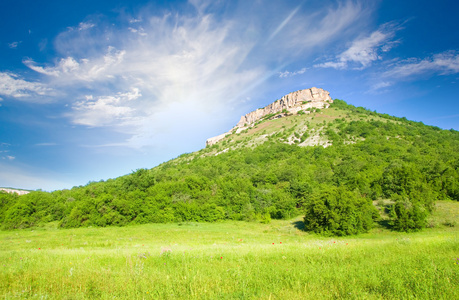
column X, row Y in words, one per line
column 406, row 215
column 338, row 211
column 373, row 156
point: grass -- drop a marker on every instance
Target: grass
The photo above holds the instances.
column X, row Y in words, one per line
column 230, row 260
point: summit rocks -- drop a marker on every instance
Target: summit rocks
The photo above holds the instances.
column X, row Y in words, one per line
column 289, row 104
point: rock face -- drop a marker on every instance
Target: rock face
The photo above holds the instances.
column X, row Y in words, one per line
column 19, row 192
column 293, row 103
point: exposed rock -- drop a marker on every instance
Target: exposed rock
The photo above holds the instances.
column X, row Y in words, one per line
column 217, row 138
column 293, row 103
column 19, row 192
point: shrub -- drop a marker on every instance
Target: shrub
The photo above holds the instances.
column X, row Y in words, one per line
column 338, row 211
column 406, row 215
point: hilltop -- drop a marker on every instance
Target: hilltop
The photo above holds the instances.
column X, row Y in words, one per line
column 345, row 169
column 299, row 102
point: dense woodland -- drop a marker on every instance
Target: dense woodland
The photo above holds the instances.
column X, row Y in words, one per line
column 404, row 165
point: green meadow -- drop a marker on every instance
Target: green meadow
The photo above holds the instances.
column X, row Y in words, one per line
column 231, row 260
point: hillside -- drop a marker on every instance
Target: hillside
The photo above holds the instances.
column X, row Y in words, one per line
column 346, row 169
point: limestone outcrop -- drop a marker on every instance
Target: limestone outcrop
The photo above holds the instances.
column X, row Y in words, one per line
column 19, row 192
column 291, row 103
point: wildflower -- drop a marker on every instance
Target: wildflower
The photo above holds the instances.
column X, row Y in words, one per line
column 273, row 243
column 221, row 257
column 281, row 242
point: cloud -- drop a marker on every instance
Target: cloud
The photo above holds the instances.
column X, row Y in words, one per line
column 443, row 63
column 4, row 150
column 194, row 68
column 134, row 20
column 284, row 23
column 68, row 70
column 140, row 31
column 85, row 26
column 364, row 51
column 290, row 74
column 14, row 45
column 13, row 86
column 334, row 23
column 105, row 110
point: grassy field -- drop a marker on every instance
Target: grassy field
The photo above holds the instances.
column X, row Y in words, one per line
column 231, row 260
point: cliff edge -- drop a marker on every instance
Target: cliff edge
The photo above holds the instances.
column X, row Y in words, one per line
column 289, row 104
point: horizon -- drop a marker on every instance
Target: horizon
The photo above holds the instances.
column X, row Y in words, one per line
column 94, row 90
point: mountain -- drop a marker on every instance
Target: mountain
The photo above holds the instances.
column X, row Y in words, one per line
column 301, row 101
column 345, row 169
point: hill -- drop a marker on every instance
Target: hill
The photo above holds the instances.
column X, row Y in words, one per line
column 345, row 168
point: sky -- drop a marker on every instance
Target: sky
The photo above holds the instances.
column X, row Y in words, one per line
column 92, row 90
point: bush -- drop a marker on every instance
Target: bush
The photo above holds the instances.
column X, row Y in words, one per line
column 406, row 215
column 338, row 211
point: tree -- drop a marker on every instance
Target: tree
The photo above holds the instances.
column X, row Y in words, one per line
column 338, row 211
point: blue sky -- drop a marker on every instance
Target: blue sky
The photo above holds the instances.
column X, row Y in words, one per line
column 92, row 90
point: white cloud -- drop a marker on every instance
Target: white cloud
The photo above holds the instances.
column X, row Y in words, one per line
column 85, row 26
column 105, row 110
column 194, row 69
column 290, row 74
column 140, row 31
column 381, row 85
column 444, row 63
column 68, row 70
column 14, row 45
column 13, row 86
column 135, row 20
column 334, row 23
column 82, row 26
column 364, row 51
column 284, row 23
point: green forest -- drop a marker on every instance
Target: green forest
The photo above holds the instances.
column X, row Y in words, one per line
column 376, row 165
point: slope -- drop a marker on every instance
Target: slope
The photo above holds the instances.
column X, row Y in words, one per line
column 338, row 166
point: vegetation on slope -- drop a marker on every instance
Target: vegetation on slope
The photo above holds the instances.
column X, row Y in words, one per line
column 264, row 173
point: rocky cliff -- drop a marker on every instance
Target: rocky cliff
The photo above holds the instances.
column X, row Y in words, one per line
column 19, row 192
column 289, row 104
